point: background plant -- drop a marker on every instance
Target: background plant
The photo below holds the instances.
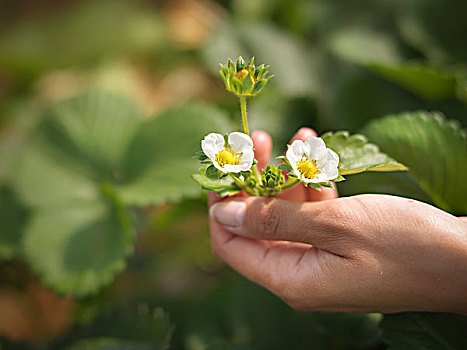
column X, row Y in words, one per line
column 96, row 118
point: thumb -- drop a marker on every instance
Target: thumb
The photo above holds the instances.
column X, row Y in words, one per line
column 322, row 224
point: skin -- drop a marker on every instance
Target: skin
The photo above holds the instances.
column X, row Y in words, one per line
column 366, row 253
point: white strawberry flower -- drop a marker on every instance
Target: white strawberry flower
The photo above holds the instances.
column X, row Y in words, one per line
column 312, row 162
column 232, row 157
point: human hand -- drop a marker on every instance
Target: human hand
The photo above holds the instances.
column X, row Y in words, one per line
column 357, row 254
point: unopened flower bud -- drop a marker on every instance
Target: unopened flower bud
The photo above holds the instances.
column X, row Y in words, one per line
column 244, row 79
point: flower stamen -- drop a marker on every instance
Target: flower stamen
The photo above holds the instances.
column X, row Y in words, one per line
column 308, row 168
column 227, row 156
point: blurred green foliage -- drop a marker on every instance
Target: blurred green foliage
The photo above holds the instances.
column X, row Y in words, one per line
column 102, row 104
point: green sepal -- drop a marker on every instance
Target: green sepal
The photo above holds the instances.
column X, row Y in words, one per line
column 255, row 162
column 237, row 85
column 285, row 167
column 251, row 64
column 338, row 179
column 228, row 191
column 284, row 158
column 231, row 65
column 326, row 184
column 240, row 64
column 258, row 71
column 220, row 174
column 211, row 171
column 312, row 185
column 200, row 155
column 248, row 84
column 259, row 86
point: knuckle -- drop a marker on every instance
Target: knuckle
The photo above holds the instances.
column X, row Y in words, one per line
column 269, row 220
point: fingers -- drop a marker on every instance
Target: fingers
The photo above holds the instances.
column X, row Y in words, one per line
column 263, row 148
column 281, row 267
column 322, row 224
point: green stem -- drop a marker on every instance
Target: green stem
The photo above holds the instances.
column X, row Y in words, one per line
column 244, row 114
column 242, row 185
column 243, row 110
column 290, row 183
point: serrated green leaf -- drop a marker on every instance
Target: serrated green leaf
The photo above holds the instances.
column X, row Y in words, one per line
column 431, row 331
column 78, row 237
column 434, row 149
column 159, row 163
column 213, row 184
column 356, row 154
column 94, row 128
column 78, row 249
column 285, row 167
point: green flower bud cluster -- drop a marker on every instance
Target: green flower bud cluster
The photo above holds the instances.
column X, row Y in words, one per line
column 271, row 180
column 244, row 79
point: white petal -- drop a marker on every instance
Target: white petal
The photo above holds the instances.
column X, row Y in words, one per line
column 315, row 148
column 240, row 142
column 246, row 159
column 230, row 168
column 330, row 171
column 295, row 152
column 332, row 155
column 212, row 144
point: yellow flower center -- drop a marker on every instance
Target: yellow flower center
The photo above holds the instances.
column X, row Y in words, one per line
column 308, row 168
column 227, row 156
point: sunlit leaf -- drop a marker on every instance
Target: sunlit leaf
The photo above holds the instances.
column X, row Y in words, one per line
column 356, row 154
column 77, row 249
column 79, row 234
column 96, row 128
column 159, row 163
column 434, row 149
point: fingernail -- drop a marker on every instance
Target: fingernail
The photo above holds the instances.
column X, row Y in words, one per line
column 228, row 213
